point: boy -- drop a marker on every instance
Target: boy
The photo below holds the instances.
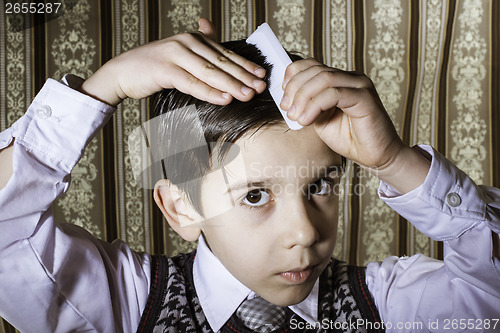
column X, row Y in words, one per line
column 273, row 243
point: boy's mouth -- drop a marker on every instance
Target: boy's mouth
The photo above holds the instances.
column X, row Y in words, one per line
column 299, row 275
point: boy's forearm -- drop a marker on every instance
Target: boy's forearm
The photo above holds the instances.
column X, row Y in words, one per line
column 407, row 172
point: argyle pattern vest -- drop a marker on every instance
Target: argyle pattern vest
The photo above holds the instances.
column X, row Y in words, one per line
column 344, row 305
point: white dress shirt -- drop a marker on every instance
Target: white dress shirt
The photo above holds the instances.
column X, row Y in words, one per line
column 58, row 278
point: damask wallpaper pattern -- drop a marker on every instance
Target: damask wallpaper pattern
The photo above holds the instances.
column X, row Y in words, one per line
column 434, row 63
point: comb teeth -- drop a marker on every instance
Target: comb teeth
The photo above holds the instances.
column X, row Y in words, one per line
column 265, row 40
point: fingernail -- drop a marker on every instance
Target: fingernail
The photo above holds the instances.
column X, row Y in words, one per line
column 259, row 71
column 257, row 83
column 284, row 101
column 291, row 112
column 226, row 96
column 245, row 90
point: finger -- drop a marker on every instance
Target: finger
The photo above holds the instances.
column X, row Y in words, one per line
column 249, row 66
column 296, row 67
column 243, row 62
column 313, row 108
column 343, row 78
column 207, row 28
column 210, row 74
column 354, row 102
column 191, row 85
column 298, row 81
column 229, row 62
column 313, row 80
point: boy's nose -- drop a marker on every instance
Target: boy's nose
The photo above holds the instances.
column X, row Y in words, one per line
column 298, row 227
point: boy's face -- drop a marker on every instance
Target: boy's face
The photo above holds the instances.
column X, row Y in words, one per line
column 282, row 230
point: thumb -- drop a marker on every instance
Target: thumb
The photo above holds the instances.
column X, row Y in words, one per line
column 207, row 28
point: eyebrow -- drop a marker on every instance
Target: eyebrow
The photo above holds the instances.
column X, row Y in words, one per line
column 267, row 182
column 250, row 184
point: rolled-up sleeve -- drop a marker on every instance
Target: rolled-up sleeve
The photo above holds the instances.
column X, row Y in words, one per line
column 460, row 293
column 57, row 277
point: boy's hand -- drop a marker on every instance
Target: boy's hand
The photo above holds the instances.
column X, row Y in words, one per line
column 190, row 62
column 354, row 122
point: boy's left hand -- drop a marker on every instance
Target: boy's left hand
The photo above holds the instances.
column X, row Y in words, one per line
column 349, row 117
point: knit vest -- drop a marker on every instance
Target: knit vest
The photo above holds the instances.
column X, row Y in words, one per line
column 344, row 304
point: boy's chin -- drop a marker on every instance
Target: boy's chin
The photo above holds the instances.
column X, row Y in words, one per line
column 290, row 296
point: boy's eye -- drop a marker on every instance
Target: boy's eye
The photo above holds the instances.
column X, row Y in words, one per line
column 323, row 186
column 256, row 198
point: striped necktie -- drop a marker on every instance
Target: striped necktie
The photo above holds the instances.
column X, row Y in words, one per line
column 261, row 316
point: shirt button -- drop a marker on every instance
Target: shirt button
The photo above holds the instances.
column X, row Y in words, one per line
column 453, row 199
column 43, row 111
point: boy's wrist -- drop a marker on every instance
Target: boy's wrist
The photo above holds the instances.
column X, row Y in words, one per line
column 407, row 172
column 101, row 86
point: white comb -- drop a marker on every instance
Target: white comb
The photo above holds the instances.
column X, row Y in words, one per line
column 265, row 40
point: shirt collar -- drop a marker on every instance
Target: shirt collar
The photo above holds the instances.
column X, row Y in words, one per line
column 220, row 293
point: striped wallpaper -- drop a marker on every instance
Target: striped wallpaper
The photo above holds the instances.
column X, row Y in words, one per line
column 434, row 63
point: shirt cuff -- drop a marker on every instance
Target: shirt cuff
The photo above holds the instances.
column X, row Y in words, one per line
column 446, row 205
column 60, row 122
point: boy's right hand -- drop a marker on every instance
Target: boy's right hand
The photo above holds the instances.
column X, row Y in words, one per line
column 192, row 63
column 349, row 117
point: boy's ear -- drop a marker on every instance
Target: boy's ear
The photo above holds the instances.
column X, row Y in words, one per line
column 177, row 211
